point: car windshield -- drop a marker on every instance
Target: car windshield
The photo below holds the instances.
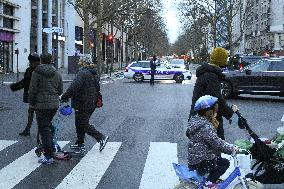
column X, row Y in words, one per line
column 251, row 59
column 177, row 61
column 259, row 66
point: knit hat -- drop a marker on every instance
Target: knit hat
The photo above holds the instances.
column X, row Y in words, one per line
column 219, row 56
column 34, row 57
column 86, row 60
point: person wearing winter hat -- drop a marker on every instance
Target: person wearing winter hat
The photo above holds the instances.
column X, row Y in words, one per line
column 204, row 146
column 34, row 61
column 84, row 92
column 209, row 77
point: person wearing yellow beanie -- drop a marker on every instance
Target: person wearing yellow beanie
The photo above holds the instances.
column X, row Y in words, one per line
column 219, row 57
column 209, row 77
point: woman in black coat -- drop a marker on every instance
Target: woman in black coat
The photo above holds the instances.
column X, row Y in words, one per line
column 34, row 61
column 208, row 82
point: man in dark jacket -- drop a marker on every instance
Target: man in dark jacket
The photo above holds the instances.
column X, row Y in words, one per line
column 45, row 88
column 153, row 69
column 84, row 91
column 209, row 77
column 34, row 61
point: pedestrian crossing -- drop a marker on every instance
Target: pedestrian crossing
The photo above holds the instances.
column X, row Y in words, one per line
column 157, row 173
column 88, row 172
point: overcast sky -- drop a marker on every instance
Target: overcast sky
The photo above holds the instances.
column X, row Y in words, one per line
column 170, row 15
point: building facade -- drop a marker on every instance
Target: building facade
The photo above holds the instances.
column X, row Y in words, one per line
column 15, row 21
column 260, row 26
column 50, row 26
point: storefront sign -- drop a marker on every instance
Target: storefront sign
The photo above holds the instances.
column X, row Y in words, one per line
column 6, row 36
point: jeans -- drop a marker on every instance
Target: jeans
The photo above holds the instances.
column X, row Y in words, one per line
column 44, row 118
column 82, row 118
column 216, row 168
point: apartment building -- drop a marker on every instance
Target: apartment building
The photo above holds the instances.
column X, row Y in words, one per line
column 259, row 27
column 14, row 34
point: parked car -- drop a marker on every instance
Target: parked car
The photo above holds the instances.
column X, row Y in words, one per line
column 140, row 71
column 264, row 77
column 238, row 62
column 179, row 63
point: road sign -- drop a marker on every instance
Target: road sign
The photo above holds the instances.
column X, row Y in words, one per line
column 53, row 29
column 57, row 29
column 47, row 30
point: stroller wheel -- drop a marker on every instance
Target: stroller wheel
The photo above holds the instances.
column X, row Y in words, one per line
column 38, row 152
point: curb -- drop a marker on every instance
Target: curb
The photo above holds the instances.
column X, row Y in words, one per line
column 104, row 76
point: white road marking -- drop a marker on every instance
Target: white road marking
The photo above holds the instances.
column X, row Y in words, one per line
column 5, row 143
column 89, row 171
column 282, row 118
column 16, row 171
column 158, row 171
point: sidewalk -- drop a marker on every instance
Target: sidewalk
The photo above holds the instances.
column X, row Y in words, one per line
column 9, row 78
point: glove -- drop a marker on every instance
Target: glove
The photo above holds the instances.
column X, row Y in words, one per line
column 63, row 100
column 13, row 87
column 236, row 150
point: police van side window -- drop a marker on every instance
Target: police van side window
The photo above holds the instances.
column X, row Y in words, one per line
column 145, row 65
column 136, row 64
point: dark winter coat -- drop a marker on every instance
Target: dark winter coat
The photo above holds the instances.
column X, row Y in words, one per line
column 153, row 65
column 204, row 144
column 84, row 90
column 209, row 83
column 24, row 84
column 45, row 88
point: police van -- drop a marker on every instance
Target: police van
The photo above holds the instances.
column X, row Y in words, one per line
column 141, row 70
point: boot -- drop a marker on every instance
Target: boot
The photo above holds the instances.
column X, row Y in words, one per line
column 26, row 132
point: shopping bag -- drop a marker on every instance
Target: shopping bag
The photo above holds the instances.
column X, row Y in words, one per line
column 100, row 101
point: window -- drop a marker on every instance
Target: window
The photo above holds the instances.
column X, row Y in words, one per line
column 260, row 67
column 8, row 10
column 145, row 64
column 276, row 66
column 8, row 23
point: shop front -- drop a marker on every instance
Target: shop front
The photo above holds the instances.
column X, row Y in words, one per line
column 6, row 51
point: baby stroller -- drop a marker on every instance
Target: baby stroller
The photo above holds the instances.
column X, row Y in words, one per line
column 268, row 168
column 64, row 110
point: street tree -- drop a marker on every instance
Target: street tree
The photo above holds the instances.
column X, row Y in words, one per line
column 219, row 13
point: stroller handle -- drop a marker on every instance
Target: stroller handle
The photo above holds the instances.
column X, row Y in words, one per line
column 238, row 113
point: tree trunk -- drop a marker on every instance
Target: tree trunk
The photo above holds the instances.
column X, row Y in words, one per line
column 98, row 39
column 86, row 31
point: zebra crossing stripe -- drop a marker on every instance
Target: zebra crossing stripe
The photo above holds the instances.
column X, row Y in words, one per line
column 16, row 171
column 5, row 143
column 158, row 171
column 89, row 171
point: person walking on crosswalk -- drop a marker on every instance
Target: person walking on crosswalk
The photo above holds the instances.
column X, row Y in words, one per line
column 45, row 87
column 84, row 91
column 34, row 61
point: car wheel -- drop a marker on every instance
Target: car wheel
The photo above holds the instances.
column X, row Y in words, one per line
column 179, row 78
column 227, row 89
column 138, row 77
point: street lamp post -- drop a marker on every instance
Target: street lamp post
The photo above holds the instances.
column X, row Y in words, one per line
column 17, row 53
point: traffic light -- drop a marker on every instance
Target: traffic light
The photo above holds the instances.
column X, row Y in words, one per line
column 109, row 38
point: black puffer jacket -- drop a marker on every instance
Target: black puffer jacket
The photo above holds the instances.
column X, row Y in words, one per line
column 24, row 84
column 84, row 90
column 209, row 83
column 45, row 87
